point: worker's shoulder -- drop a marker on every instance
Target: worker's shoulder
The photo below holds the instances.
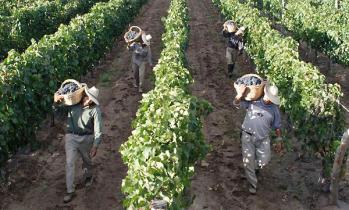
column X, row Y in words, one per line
column 94, row 109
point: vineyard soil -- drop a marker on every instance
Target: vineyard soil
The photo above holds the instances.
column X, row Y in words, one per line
column 36, row 180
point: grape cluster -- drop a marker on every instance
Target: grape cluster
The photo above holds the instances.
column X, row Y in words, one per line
column 68, row 88
column 252, row 80
column 131, row 35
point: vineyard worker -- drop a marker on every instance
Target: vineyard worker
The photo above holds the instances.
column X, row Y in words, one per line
column 141, row 55
column 262, row 116
column 84, row 134
column 235, row 44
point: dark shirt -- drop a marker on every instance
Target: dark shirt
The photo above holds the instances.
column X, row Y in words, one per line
column 234, row 41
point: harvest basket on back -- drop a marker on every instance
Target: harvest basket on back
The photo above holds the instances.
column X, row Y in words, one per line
column 74, row 97
column 253, row 92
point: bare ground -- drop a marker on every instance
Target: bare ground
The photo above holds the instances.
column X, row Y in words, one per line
column 37, row 180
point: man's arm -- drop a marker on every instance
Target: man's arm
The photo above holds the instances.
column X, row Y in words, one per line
column 98, row 125
column 240, row 89
column 278, row 146
column 150, row 57
column 277, row 123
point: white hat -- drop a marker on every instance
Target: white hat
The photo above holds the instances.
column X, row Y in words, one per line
column 271, row 92
column 146, row 38
column 92, row 93
column 241, row 30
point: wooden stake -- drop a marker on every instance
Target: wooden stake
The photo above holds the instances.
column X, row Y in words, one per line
column 337, row 165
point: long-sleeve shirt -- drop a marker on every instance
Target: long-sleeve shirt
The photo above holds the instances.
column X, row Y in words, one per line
column 140, row 53
column 85, row 121
column 260, row 118
column 234, row 41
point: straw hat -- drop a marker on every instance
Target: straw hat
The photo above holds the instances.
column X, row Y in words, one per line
column 271, row 92
column 230, row 26
column 146, row 38
column 241, row 30
column 92, row 93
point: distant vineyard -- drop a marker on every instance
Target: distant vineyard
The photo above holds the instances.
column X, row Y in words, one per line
column 8, row 6
column 35, row 20
column 321, row 25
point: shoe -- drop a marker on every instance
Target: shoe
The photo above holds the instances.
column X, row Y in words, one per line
column 88, row 181
column 140, row 90
column 69, row 197
column 252, row 189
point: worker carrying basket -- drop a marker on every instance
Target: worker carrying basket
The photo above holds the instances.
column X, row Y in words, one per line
column 261, row 101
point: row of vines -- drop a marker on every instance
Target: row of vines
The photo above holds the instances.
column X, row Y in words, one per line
column 28, row 80
column 167, row 139
column 8, row 6
column 37, row 20
column 306, row 98
column 322, row 26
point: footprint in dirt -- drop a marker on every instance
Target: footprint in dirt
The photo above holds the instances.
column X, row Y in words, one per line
column 60, row 176
column 60, row 187
column 118, row 101
column 63, row 207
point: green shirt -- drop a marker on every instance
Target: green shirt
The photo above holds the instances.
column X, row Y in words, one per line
column 85, row 121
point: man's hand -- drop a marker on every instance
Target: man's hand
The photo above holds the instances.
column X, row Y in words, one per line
column 278, row 147
column 240, row 89
column 58, row 98
column 93, row 151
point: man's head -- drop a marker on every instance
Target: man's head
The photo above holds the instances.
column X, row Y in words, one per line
column 90, row 96
column 230, row 26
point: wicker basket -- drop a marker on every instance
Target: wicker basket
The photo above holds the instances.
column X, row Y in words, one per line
column 75, row 97
column 253, row 92
column 136, row 29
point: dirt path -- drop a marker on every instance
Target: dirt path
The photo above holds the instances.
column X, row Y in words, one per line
column 37, row 180
column 286, row 183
